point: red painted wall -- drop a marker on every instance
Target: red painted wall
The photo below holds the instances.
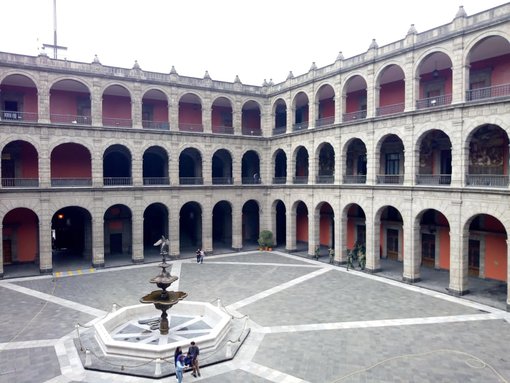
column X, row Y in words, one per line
column 444, row 248
column 190, row 113
column 353, row 101
column 160, row 110
column 63, row 102
column 29, row 162
column 445, row 74
column 392, row 93
column 26, row 233
column 500, row 69
column 29, row 97
column 350, row 234
column 251, row 119
column 302, row 228
column 327, row 108
column 116, row 107
column 217, row 115
column 70, row 160
column 495, row 257
column 324, row 237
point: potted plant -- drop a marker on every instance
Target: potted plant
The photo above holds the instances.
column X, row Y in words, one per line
column 266, row 239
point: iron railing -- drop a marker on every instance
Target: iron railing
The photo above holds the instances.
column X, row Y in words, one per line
column 191, row 180
column 222, row 181
column 489, row 92
column 70, row 119
column 251, row 180
column 355, row 179
column 156, row 181
column 323, row 179
column 325, row 121
column 155, row 125
column 389, row 109
column 431, row 102
column 487, row 180
column 300, row 126
column 20, row 182
column 279, row 130
column 117, row 181
column 300, row 180
column 18, row 116
column 353, row 116
column 117, row 122
column 390, row 178
column 221, row 129
column 187, row 127
column 433, row 179
column 71, row 182
column 251, row 132
column 279, row 180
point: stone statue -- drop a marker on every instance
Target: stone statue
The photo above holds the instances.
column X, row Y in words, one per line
column 164, row 246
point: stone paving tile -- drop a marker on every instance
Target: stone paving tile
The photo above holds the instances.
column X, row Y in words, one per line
column 32, row 365
column 338, row 297
column 17, row 318
column 259, row 256
column 208, row 281
column 235, row 376
column 327, row 356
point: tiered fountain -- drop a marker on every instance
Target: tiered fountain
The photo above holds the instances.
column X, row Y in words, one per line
column 162, row 299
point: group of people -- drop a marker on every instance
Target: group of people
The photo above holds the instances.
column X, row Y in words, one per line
column 200, row 255
column 190, row 360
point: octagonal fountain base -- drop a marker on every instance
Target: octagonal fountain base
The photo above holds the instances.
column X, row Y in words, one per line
column 128, row 341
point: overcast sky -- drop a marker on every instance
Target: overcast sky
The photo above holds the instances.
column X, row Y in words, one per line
column 257, row 39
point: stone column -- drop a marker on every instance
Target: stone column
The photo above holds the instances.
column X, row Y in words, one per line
column 313, row 232
column 174, row 216
column 410, row 170
column 459, row 248
column 98, row 234
column 206, row 115
column 136, row 107
column 339, row 240
column 207, row 167
column 44, row 164
column 313, row 160
column 173, row 116
column 313, row 114
column 43, row 100
column 207, row 223
column 96, row 104
column 412, row 253
column 137, row 168
column 237, row 169
column 237, row 234
column 173, row 168
column 291, row 229
column 45, row 250
column 2, row 248
column 97, row 163
column 137, row 231
column 373, row 230
column 236, row 120
column 373, row 159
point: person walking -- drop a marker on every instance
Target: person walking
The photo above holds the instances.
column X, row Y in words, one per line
column 317, row 253
column 194, row 351
column 202, row 255
column 331, row 255
column 177, row 353
column 179, row 368
column 197, row 253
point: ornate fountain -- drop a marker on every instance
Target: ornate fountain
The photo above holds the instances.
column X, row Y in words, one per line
column 162, row 299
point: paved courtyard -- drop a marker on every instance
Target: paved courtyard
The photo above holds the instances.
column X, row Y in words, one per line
column 310, row 322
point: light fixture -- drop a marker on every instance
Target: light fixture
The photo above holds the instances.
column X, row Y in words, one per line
column 435, row 73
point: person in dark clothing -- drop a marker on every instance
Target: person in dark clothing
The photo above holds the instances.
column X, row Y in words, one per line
column 194, row 351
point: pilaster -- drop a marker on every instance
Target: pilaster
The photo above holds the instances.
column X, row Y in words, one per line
column 237, row 229
column 207, row 223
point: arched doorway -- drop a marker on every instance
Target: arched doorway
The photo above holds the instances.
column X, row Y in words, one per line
column 280, row 235
column 117, row 233
column 155, row 224
column 251, row 227
column 222, row 226
column 190, row 227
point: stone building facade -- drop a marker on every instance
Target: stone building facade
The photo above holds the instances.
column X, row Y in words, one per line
column 403, row 149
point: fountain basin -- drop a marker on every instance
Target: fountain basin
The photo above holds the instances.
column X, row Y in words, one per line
column 120, row 334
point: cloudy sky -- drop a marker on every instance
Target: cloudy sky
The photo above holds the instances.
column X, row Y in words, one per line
column 257, row 40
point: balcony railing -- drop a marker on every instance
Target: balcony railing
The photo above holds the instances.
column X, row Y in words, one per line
column 434, row 101
column 487, row 180
column 325, row 121
column 279, row 180
column 148, row 181
column 300, row 180
column 71, row 182
column 300, row 126
column 155, row 125
column 20, row 182
column 489, row 92
column 70, row 119
column 389, row 109
column 251, row 180
column 191, row 181
column 222, row 181
column 322, row 179
column 117, row 122
column 186, row 127
column 390, row 179
column 251, row 132
column 18, row 116
column 355, row 179
column 117, row 181
column 221, row 129
column 279, row 130
column 433, row 179
column 358, row 115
